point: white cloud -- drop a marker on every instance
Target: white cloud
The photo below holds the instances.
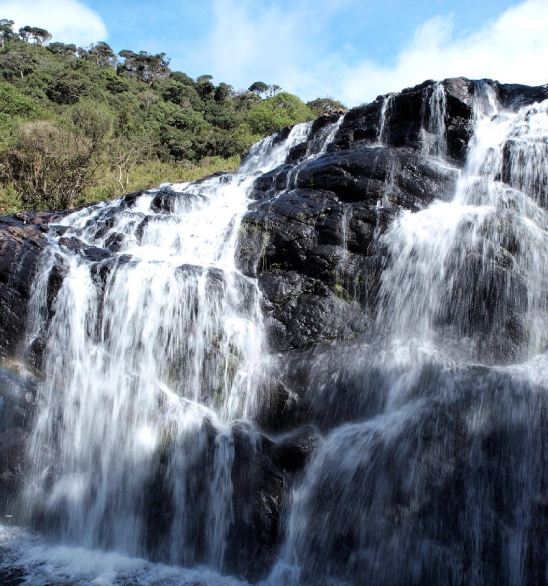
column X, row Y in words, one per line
column 512, row 48
column 252, row 41
column 69, row 21
column 283, row 43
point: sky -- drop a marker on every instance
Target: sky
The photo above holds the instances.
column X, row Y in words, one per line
column 350, row 50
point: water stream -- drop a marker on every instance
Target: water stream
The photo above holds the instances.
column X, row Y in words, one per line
column 445, row 482
column 154, row 348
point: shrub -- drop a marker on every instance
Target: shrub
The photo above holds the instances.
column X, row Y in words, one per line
column 277, row 112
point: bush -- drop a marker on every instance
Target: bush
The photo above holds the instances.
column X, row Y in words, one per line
column 48, row 165
column 15, row 104
column 320, row 106
column 277, row 112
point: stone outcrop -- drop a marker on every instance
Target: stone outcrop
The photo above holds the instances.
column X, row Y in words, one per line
column 313, row 239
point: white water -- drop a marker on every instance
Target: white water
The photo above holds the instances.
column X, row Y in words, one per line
column 151, row 352
column 465, row 283
column 26, row 558
column 438, row 476
column 433, row 134
column 385, row 115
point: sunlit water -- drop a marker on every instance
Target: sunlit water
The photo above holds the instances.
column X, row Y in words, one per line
column 443, row 482
column 151, row 351
column 438, row 476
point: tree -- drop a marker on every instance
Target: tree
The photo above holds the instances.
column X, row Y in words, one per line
column 273, row 90
column 40, row 35
column 205, row 89
column 277, row 112
column 181, row 77
column 25, row 33
column 259, row 88
column 180, row 94
column 62, row 49
column 126, row 152
column 6, row 31
column 325, row 105
column 222, row 92
column 102, row 54
column 16, row 62
column 145, row 66
column 92, row 120
column 262, row 89
column 15, row 104
column 37, row 34
column 204, row 78
column 48, row 165
column 67, row 87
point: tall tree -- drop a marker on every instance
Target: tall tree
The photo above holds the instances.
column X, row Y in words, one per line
column 37, row 34
column 6, row 31
column 145, row 66
column 102, row 54
column 62, row 49
column 259, row 88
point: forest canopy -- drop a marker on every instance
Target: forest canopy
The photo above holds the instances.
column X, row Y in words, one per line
column 84, row 124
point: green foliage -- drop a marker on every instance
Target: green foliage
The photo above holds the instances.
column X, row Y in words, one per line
column 34, row 33
column 49, row 165
column 13, row 103
column 327, row 105
column 67, row 88
column 10, row 202
column 144, row 66
column 80, row 124
column 276, row 112
column 6, row 31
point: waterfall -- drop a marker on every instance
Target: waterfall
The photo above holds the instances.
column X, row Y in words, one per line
column 443, row 482
column 433, row 132
column 153, row 345
column 384, row 116
column 413, row 452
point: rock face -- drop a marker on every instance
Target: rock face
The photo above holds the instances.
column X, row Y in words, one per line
column 313, row 239
column 17, row 403
column 22, row 240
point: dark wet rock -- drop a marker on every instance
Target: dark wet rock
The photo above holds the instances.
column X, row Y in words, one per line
column 259, row 492
column 317, row 242
column 17, row 406
column 21, row 244
column 367, row 174
column 516, row 96
column 167, row 201
column 163, row 201
column 115, row 242
column 313, row 235
column 292, row 451
column 129, row 200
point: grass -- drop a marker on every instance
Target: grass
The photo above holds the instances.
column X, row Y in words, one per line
column 144, row 176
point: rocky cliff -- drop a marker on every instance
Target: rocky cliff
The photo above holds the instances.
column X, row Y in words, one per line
column 313, row 239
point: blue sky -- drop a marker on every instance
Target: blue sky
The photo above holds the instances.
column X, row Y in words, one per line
column 352, row 50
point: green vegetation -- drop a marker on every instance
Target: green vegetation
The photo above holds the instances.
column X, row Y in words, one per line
column 83, row 124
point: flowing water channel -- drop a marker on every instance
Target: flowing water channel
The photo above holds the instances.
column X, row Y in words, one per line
column 148, row 359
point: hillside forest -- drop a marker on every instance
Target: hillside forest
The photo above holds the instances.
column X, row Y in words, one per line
column 79, row 125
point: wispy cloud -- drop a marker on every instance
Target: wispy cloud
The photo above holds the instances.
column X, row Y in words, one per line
column 287, row 43
column 511, row 48
column 69, row 21
column 272, row 42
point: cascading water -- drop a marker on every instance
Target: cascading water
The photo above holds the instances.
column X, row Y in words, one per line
column 443, row 481
column 433, row 115
column 153, row 344
column 433, row 465
column 384, row 115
